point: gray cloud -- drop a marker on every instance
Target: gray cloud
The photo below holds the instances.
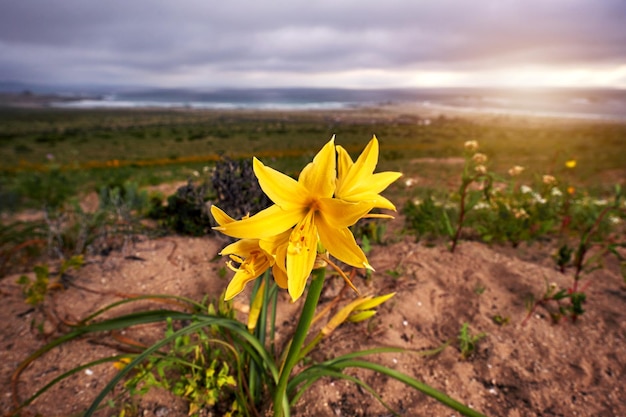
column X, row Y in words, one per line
column 130, row 41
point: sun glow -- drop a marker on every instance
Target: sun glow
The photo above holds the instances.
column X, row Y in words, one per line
column 531, row 76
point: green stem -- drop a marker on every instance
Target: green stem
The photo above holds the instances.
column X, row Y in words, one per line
column 459, row 226
column 281, row 407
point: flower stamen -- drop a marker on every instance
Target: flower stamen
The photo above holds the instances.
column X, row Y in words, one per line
column 340, row 272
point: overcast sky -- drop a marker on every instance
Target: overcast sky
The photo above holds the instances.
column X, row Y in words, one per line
column 327, row 43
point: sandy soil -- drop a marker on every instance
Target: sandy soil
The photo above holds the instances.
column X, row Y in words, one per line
column 537, row 369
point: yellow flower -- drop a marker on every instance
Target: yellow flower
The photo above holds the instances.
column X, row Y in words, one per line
column 254, row 257
column 356, row 181
column 121, row 364
column 307, row 206
column 571, row 163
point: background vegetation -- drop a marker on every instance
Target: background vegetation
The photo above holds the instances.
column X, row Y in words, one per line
column 51, row 154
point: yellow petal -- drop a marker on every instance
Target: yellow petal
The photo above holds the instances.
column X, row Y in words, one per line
column 381, row 180
column 340, row 317
column 344, row 163
column 255, row 307
column 269, row 222
column 277, row 247
column 283, row 190
column 241, row 247
column 318, row 177
column 366, row 162
column 376, row 200
column 301, row 254
column 378, row 216
column 357, row 181
column 368, row 188
column 341, row 244
column 362, row 168
column 220, row 216
column 272, row 243
column 248, row 271
column 339, row 214
column 280, row 276
column 361, row 316
column 374, row 302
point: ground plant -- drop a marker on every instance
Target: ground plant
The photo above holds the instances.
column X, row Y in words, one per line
column 468, row 341
column 592, row 239
column 504, row 210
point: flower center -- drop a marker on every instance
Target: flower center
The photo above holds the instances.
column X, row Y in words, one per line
column 299, row 240
column 247, row 265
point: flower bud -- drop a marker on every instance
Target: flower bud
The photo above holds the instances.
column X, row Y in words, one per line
column 480, row 169
column 471, row 145
column 479, row 158
column 520, row 213
column 549, row 180
column 516, row 170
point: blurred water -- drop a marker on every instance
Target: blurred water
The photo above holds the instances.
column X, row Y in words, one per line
column 578, row 103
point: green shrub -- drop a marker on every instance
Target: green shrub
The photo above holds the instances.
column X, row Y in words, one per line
column 428, row 219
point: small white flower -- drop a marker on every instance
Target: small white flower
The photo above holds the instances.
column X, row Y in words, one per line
column 556, row 192
column 614, row 220
column 539, row 199
column 525, row 189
